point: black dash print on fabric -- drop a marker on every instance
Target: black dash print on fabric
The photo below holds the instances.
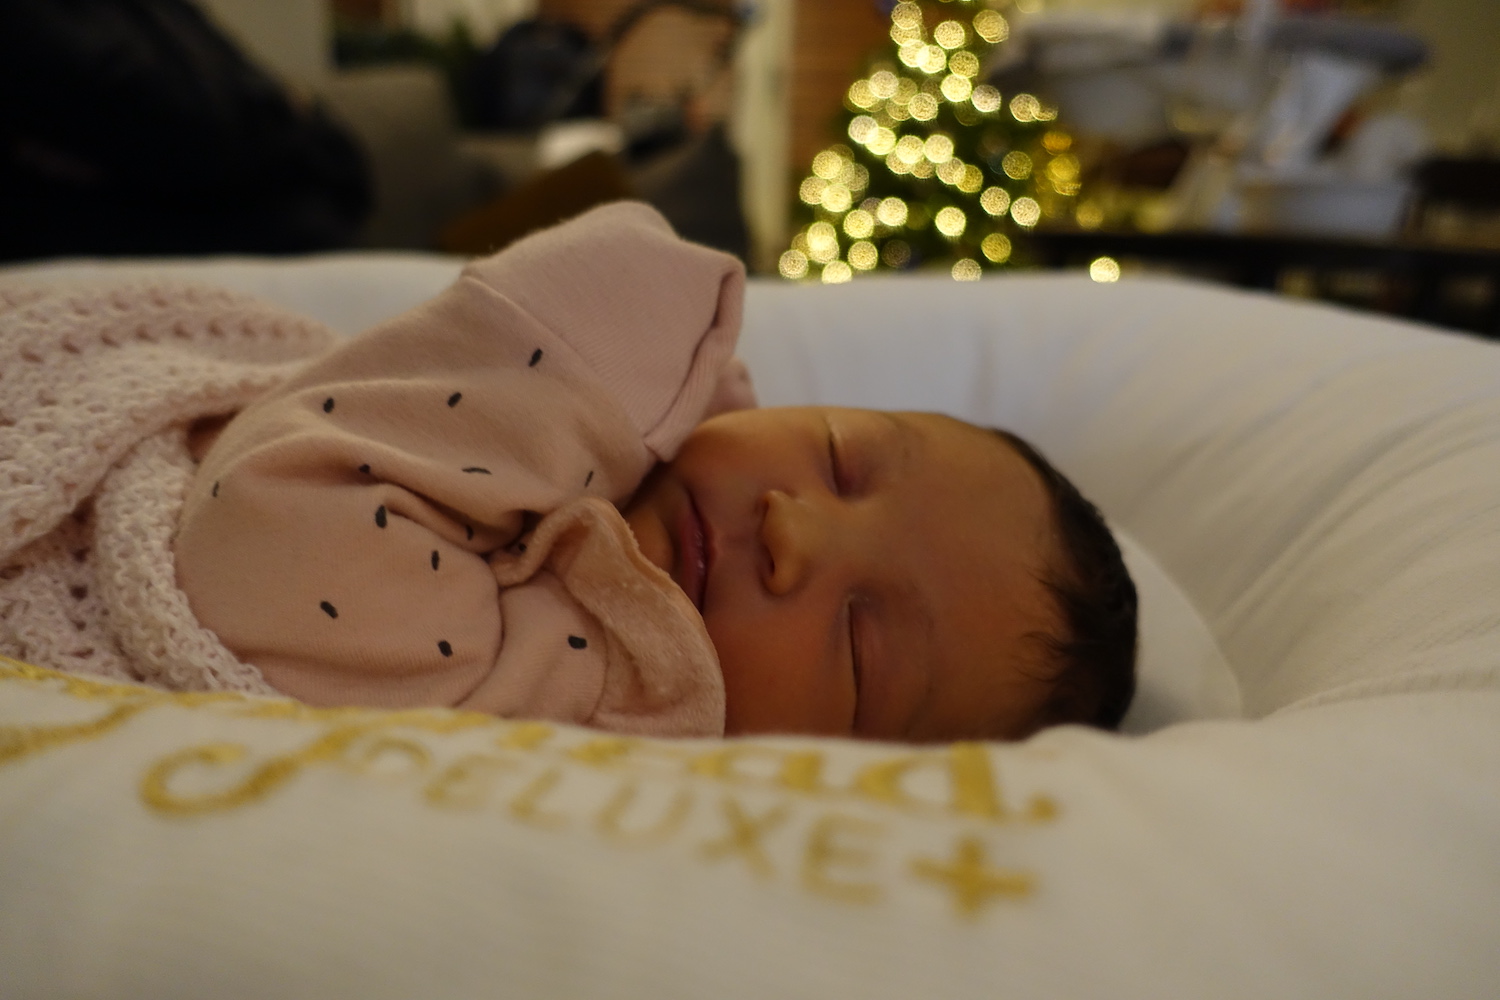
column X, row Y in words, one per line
column 469, row 529
column 216, row 488
column 479, row 469
column 444, row 648
column 329, row 609
column 588, row 479
column 380, row 516
column 453, row 399
column 434, row 558
column 577, row 642
column 365, row 469
column 328, row 405
column 536, row 356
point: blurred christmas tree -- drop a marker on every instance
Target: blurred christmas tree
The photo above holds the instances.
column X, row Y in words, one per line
column 941, row 170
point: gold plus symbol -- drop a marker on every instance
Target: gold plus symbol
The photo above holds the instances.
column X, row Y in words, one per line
column 970, row 878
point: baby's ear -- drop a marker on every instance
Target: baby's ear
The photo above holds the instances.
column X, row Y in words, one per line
column 734, row 390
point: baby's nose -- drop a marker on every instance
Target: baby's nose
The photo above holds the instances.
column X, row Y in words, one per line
column 790, row 535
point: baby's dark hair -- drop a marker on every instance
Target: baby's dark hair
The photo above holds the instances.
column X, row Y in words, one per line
column 1094, row 657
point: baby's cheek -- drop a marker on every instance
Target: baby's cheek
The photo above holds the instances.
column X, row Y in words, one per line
column 772, row 685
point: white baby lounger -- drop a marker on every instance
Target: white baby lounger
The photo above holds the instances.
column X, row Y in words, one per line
column 1308, row 804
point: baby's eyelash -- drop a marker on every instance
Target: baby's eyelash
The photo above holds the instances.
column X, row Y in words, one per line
column 854, row 655
column 840, row 482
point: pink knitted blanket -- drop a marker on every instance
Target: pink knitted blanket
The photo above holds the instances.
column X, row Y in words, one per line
column 97, row 390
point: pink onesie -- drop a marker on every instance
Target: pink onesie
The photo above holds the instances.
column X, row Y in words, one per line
column 426, row 515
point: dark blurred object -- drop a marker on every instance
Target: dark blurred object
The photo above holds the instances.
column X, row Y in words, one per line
column 1461, row 183
column 1448, row 286
column 540, row 73
column 1153, row 167
column 696, row 187
column 537, row 72
column 544, row 200
column 136, row 127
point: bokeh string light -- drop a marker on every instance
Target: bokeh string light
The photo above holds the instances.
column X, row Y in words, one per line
column 941, row 169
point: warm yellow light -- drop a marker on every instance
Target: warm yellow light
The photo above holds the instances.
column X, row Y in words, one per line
column 951, row 222
column 996, row 247
column 862, row 128
column 966, row 269
column 906, row 89
column 854, row 176
column 1025, row 107
column 990, row 26
column 995, row 201
column 1025, row 211
column 828, row 164
column 964, row 63
column 985, row 98
column 837, row 198
column 900, row 35
column 892, row 212
column 957, row 88
column 923, row 168
column 909, row 149
column 971, row 180
column 883, row 83
column 938, row 148
column 934, row 59
column 811, row 191
column 907, row 15
column 923, row 107
column 859, row 224
column 1057, row 142
column 950, row 35
column 1105, row 270
column 1046, row 113
column 821, row 238
column 1063, row 169
column 911, row 53
column 793, row 265
column 881, row 141
column 896, row 111
column 1090, row 215
column 864, row 256
column 1017, row 165
column 951, row 172
column 861, row 96
column 896, row 254
column 836, row 272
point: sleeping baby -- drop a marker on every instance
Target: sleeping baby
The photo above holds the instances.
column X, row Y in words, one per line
column 509, row 500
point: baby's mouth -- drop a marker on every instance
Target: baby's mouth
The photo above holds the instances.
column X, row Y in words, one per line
column 693, row 553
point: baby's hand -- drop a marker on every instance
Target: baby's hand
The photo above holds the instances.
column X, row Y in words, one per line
column 734, row 391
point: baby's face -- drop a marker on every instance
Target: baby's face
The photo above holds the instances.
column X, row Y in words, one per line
column 859, row 572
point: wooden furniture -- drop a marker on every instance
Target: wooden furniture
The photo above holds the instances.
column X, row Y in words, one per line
column 1446, row 285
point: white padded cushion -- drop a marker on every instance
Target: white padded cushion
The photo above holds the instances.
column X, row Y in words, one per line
column 1180, row 673
column 1323, row 487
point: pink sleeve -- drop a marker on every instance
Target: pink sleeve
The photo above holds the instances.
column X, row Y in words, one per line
column 340, row 533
